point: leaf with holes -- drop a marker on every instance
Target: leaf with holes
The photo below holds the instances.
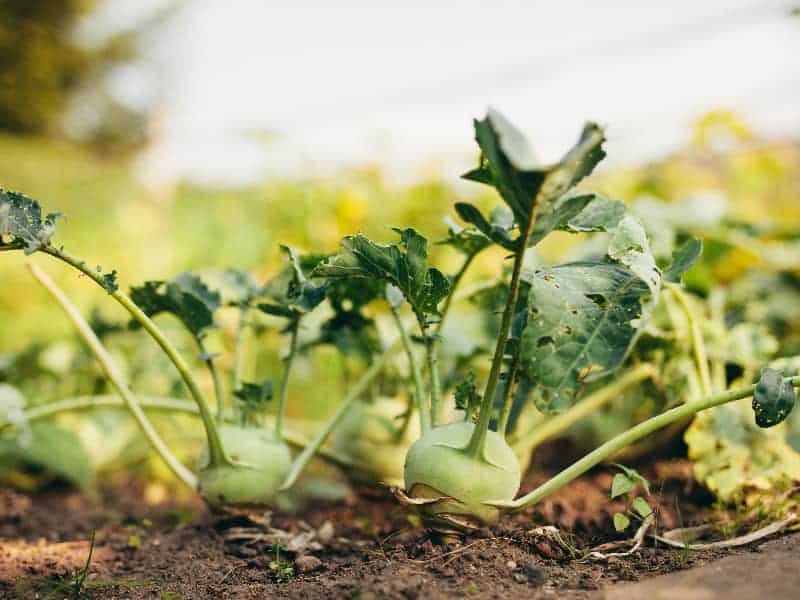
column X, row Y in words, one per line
column 185, row 296
column 22, row 224
column 579, row 327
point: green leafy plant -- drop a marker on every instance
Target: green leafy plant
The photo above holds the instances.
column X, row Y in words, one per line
column 570, row 339
column 243, row 462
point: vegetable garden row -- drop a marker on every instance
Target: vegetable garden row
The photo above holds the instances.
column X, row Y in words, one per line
column 612, row 333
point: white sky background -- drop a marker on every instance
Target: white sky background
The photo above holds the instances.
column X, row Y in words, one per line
column 340, row 83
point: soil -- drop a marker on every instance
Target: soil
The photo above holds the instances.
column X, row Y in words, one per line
column 367, row 547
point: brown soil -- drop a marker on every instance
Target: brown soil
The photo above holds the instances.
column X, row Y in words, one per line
column 363, row 547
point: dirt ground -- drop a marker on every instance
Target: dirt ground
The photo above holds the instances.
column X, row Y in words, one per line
column 367, row 547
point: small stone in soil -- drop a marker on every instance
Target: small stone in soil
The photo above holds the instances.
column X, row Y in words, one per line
column 534, row 574
column 307, row 563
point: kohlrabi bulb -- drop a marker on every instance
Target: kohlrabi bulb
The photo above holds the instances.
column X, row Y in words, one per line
column 449, row 488
column 370, row 437
column 265, row 461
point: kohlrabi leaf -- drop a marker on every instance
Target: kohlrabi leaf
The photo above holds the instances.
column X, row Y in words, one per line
column 22, row 224
column 629, row 246
column 239, row 287
column 467, row 396
column 773, row 399
column 405, row 266
column 683, row 259
column 579, row 326
column 293, row 296
column 255, row 394
column 185, row 296
column 47, row 446
column 467, row 241
column 621, row 522
column 601, row 214
column 558, row 214
column 497, row 228
column 351, row 333
column 507, row 163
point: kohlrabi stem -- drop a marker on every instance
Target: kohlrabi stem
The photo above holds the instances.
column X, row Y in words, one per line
column 216, row 451
column 625, row 439
column 698, row 345
column 116, row 377
column 353, row 394
column 416, row 376
column 594, row 401
column 433, row 375
column 219, row 392
column 238, row 350
column 45, row 411
column 448, row 302
column 476, row 442
column 508, row 398
column 294, row 327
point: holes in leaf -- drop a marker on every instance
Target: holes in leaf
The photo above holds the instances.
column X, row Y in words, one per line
column 544, row 341
column 534, row 310
column 567, row 330
column 598, row 299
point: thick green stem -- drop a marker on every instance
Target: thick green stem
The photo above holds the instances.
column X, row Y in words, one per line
column 560, row 423
column 433, row 373
column 117, row 379
column 287, row 370
column 238, row 350
column 698, row 345
column 625, row 439
column 219, row 392
column 217, row 455
column 416, row 376
column 508, row 398
column 450, row 297
column 478, row 439
column 352, row 395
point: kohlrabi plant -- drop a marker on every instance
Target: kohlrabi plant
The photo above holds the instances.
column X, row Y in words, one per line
column 246, row 461
column 562, row 327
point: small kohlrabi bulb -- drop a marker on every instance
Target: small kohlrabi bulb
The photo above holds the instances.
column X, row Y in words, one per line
column 263, row 462
column 449, row 488
column 370, row 436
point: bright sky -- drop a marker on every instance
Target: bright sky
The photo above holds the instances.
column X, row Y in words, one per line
column 337, row 83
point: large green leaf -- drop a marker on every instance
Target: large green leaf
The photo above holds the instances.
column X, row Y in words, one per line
column 579, row 326
column 22, row 224
column 508, row 164
column 404, row 266
column 496, row 228
column 185, row 296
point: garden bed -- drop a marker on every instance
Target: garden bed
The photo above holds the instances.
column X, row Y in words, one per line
column 361, row 547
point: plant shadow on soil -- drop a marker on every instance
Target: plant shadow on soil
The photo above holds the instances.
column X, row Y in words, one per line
column 372, row 549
